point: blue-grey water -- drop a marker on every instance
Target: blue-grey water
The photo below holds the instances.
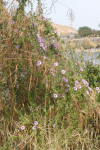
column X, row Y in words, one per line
column 86, row 56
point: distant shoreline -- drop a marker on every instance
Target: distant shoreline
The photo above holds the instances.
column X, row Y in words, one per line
column 93, row 50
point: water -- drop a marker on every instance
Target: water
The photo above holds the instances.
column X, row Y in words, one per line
column 86, row 57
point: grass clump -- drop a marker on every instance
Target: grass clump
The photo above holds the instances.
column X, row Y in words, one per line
column 49, row 101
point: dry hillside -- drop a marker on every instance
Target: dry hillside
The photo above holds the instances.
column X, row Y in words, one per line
column 63, row 29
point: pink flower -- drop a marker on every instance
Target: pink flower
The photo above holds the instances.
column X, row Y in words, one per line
column 37, row 35
column 89, row 89
column 56, row 64
column 75, row 63
column 55, row 95
column 63, row 95
column 44, row 57
column 64, row 79
column 68, row 85
column 22, row 127
column 79, row 86
column 97, row 88
column 43, row 18
column 63, row 71
column 81, row 69
column 76, row 82
column 15, row 30
column 53, row 125
column 36, row 122
column 41, row 44
column 87, row 92
column 75, row 88
column 49, row 44
column 17, row 46
column 66, row 90
column 33, row 127
column 12, row 22
column 38, row 63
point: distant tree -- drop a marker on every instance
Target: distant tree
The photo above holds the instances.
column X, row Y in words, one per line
column 85, row 31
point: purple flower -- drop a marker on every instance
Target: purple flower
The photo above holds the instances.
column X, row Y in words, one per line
column 10, row 56
column 51, row 70
column 43, row 18
column 12, row 22
column 53, row 125
column 55, row 45
column 41, row 44
column 58, row 53
column 40, row 39
column 38, row 63
column 5, row 3
column 22, row 127
column 66, row 90
column 37, row 35
column 17, row 85
column 63, row 71
column 34, row 23
column 68, row 85
column 56, row 64
column 53, row 74
column 44, row 48
column 76, row 82
column 87, row 92
column 49, row 44
column 40, row 50
column 89, row 89
column 75, row 88
column 36, row 122
column 79, row 86
column 54, row 31
column 85, row 83
column 63, row 95
column 83, row 80
column 64, row 79
column 76, row 73
column 17, row 46
column 97, row 88
column 33, row 127
column 52, row 40
column 81, row 69
column 15, row 30
column 44, row 57
column 75, row 63
column 55, row 95
column 98, row 91
column 94, row 63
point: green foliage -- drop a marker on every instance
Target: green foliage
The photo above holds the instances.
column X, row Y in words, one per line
column 62, row 41
column 84, row 31
column 92, row 74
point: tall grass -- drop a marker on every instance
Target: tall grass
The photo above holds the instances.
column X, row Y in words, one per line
column 49, row 102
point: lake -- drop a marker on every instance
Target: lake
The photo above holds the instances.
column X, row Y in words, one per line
column 86, row 56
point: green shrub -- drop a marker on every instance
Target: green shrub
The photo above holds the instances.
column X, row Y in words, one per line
column 93, row 74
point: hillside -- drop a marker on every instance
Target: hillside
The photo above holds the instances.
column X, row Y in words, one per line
column 63, row 29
